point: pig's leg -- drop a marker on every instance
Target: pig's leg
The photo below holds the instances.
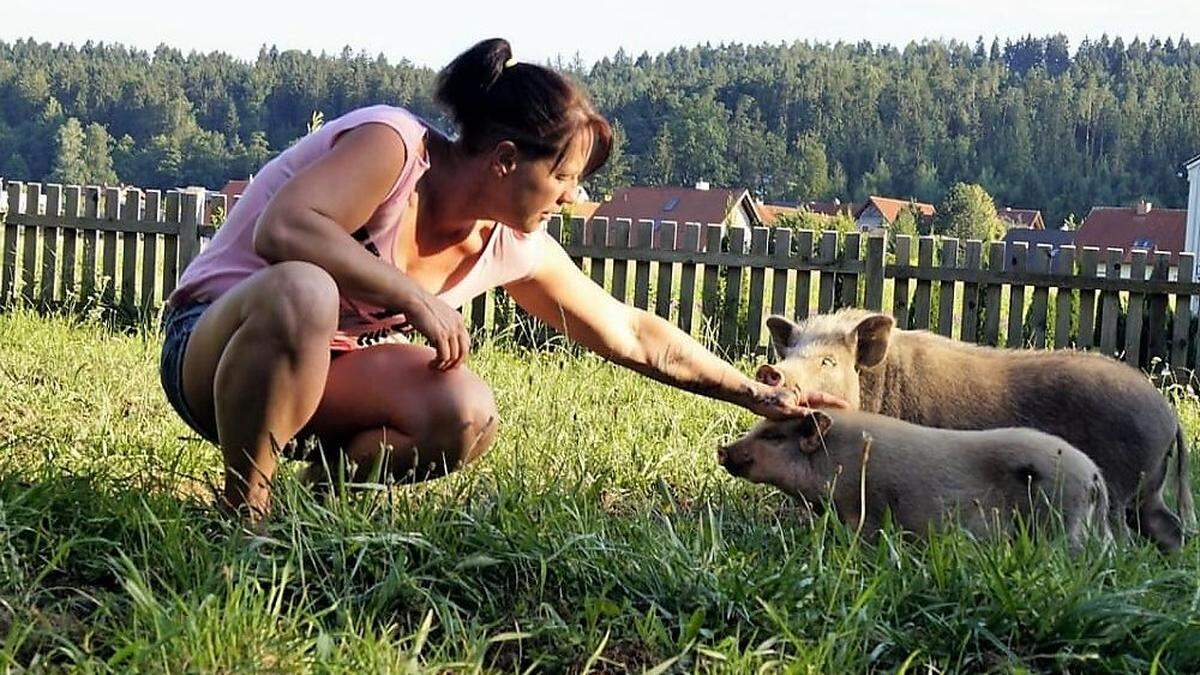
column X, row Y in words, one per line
column 1152, row 517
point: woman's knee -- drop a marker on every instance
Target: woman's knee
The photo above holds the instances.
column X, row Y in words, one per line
column 296, row 298
column 466, row 421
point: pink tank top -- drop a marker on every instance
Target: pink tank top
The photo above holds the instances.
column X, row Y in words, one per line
column 508, row 255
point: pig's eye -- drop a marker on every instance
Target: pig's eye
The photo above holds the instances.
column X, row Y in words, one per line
column 828, row 362
column 773, row 436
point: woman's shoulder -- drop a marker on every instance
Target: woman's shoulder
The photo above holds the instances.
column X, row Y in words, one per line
column 410, row 127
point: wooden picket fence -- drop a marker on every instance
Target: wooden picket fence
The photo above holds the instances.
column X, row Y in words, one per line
column 124, row 249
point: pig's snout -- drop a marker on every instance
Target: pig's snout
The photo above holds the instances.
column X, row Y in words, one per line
column 734, row 458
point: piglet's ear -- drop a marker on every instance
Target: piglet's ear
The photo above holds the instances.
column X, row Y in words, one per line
column 872, row 336
column 769, row 375
column 783, row 333
column 813, row 430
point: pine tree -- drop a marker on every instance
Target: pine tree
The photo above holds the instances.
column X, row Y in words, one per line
column 69, row 164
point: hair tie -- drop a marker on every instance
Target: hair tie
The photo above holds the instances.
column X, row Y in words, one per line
column 510, row 63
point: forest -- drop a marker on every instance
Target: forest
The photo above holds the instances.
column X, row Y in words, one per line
column 1036, row 122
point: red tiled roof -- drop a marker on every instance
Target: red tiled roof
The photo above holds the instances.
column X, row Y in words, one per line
column 1122, row 227
column 583, row 210
column 232, row 189
column 770, row 212
column 1030, row 218
column 678, row 204
column 890, row 208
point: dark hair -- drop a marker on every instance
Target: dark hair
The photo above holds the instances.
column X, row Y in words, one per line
column 493, row 99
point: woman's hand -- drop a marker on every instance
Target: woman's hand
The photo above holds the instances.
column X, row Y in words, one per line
column 782, row 402
column 441, row 325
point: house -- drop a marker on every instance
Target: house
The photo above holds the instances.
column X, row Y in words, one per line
column 583, row 209
column 1055, row 238
column 700, row 204
column 1030, row 219
column 233, row 191
column 770, row 213
column 832, row 207
column 1191, row 169
column 1137, row 227
column 878, row 213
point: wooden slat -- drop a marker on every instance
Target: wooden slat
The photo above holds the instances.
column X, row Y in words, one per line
column 1110, row 305
column 1039, row 306
column 990, row 294
column 572, row 236
column 1063, row 263
column 49, row 237
column 664, row 290
column 1018, row 260
column 29, row 237
column 923, row 297
column 827, row 255
column 759, row 241
column 1158, row 350
column 598, row 236
column 733, row 292
column 873, row 291
column 619, row 233
column 554, row 229
column 112, row 213
column 781, row 248
column 902, row 285
column 947, row 289
column 170, row 273
column 803, row 291
column 1182, row 321
column 131, row 212
column 968, row 330
column 689, row 240
column 151, row 213
column 67, row 284
column 642, row 234
column 91, row 210
column 710, row 301
column 190, row 213
column 848, row 282
column 1134, row 317
column 1089, row 261
column 8, row 269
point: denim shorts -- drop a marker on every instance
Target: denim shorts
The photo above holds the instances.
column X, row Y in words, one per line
column 178, row 323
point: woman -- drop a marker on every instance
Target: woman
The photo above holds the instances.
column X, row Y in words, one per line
column 291, row 323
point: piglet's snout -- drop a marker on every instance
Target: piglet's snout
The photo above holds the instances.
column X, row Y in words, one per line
column 734, row 458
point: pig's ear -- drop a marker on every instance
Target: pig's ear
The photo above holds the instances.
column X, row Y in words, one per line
column 769, row 375
column 813, row 429
column 872, row 336
column 783, row 333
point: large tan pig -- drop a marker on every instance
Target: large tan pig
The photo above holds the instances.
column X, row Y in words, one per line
column 925, row 478
column 1105, row 408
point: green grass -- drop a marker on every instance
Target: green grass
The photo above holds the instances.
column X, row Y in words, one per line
column 598, row 534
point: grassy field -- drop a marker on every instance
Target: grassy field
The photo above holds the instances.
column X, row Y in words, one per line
column 598, row 535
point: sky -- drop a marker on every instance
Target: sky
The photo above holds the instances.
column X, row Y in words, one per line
column 431, row 32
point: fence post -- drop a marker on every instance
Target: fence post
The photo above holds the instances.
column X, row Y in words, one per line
column 8, row 270
column 191, row 209
column 902, row 285
column 946, row 287
column 1134, row 317
column 968, row 330
column 29, row 237
column 873, row 293
column 1183, row 318
column 49, row 237
column 1063, row 264
column 1089, row 259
